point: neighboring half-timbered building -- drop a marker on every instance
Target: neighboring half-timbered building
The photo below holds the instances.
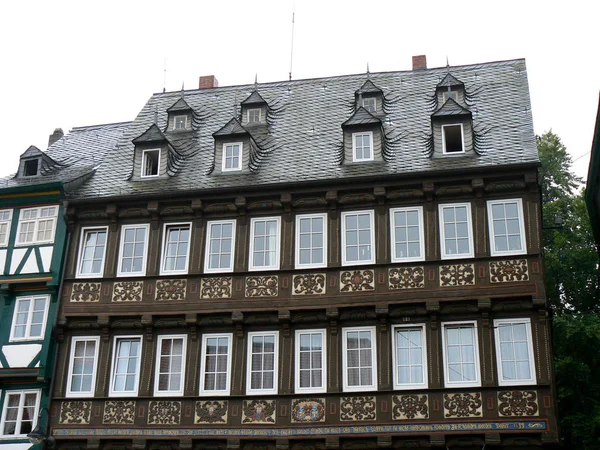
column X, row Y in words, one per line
column 344, row 262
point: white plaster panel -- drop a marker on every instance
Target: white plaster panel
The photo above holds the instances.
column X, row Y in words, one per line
column 46, row 253
column 17, row 256
column 20, row 355
column 2, row 259
column 16, row 446
column 31, row 266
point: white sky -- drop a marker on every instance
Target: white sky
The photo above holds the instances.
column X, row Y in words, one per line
column 75, row 63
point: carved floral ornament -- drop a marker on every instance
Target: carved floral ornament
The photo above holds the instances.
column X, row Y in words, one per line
column 164, row 412
column 406, row 277
column 468, row 404
column 216, row 287
column 86, row 292
column 509, row 271
column 457, row 275
column 75, row 413
column 358, row 408
column 119, row 412
column 262, row 286
column 128, row 291
column 357, row 281
column 310, row 284
column 518, row 403
column 170, row 289
column 410, row 407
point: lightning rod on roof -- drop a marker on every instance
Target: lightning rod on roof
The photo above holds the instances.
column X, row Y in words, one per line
column 165, row 76
column 292, row 43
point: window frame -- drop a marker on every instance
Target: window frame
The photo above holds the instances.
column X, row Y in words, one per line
column 143, row 165
column 207, row 252
column 78, row 394
column 223, row 157
column 113, row 368
column 373, row 259
column 521, row 218
column 375, row 382
column 499, row 369
column 158, row 355
column 299, row 217
column 477, row 356
column 22, row 393
column 462, row 139
column 259, row 115
column 354, row 136
column 406, row 386
column 163, row 254
column 38, row 166
column 175, row 117
column 28, row 336
column 84, row 231
column 394, row 256
column 8, row 223
column 120, row 272
column 276, row 266
column 202, row 392
column 443, row 252
column 315, row 390
column 36, row 229
column 374, row 98
column 274, row 390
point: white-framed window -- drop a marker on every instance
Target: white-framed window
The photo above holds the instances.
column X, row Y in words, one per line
column 133, row 250
column 311, row 375
column 151, row 163
column 358, row 238
column 92, row 252
column 125, row 374
column 410, row 356
column 29, row 319
column 514, row 352
column 507, row 228
column 311, row 240
column 406, row 228
column 370, row 104
column 456, row 231
column 461, row 354
column 169, row 375
column 37, row 225
column 20, row 411
column 5, row 221
column 359, row 359
column 215, row 364
column 180, row 122
column 232, row 156
column 220, row 246
column 262, row 366
column 83, row 363
column 265, row 240
column 254, row 115
column 176, row 248
column 362, row 146
column 452, row 139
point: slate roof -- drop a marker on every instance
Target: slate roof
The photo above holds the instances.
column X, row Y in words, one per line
column 179, row 105
column 306, row 133
column 451, row 108
column 73, row 157
column 254, row 99
column 449, row 80
column 361, row 117
column 368, row 87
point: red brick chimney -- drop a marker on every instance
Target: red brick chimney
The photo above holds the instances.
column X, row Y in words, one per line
column 419, row 62
column 208, row 81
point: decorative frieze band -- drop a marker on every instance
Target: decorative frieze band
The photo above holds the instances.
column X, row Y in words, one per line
column 357, row 281
column 457, row 275
column 259, row 412
column 86, row 292
column 410, row 406
column 358, row 408
column 406, row 277
column 128, row 291
column 75, row 413
column 211, row 411
column 164, row 412
column 262, row 286
column 310, row 284
column 119, row 412
column 509, row 271
column 518, row 403
column 216, row 287
column 169, row 290
column 308, row 410
column 467, row 404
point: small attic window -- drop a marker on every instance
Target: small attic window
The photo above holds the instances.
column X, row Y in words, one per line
column 362, row 146
column 370, row 104
column 150, row 163
column 449, row 94
column 180, row 122
column 254, row 115
column 31, row 167
column 232, row 157
column 452, row 139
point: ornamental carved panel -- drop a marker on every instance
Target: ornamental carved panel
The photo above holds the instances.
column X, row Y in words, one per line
column 211, row 411
column 468, row 404
column 357, row 281
column 119, row 412
column 216, row 287
column 128, row 291
column 75, row 413
column 164, row 412
column 518, row 403
column 457, row 275
column 410, row 407
column 308, row 410
column 259, row 411
column 262, row 286
column 406, row 277
column 509, row 271
column 310, row 284
column 86, row 292
column 358, row 408
column 167, row 290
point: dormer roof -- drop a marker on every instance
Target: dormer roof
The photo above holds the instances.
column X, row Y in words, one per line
column 179, row 106
column 450, row 81
column 451, row 108
column 369, row 87
column 152, row 134
column 231, row 128
column 254, row 99
column 361, row 117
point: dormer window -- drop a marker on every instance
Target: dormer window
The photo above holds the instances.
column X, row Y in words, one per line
column 180, row 122
column 254, row 115
column 31, row 167
column 370, row 104
column 150, row 163
column 232, row 157
column 449, row 94
column 362, row 146
column 452, row 139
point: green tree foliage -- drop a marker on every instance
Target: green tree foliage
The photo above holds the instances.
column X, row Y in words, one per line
column 573, row 288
